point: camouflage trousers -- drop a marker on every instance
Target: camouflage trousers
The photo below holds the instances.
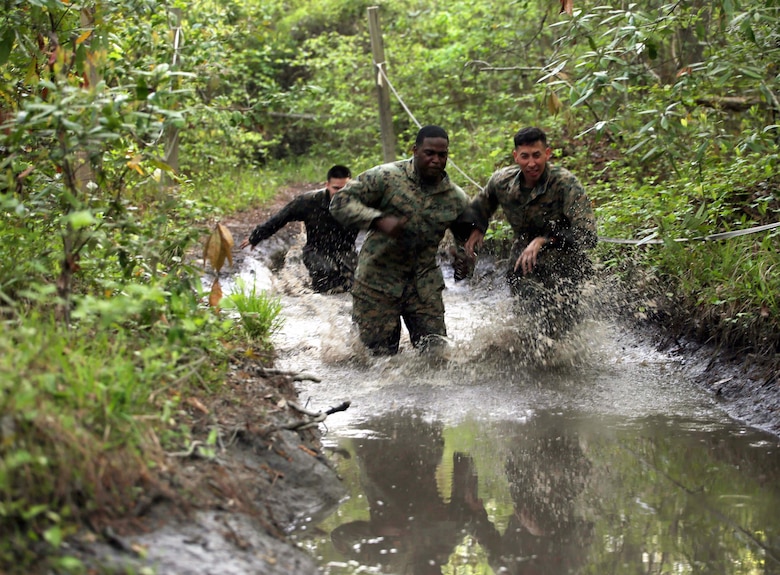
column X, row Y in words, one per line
column 378, row 318
column 330, row 272
column 549, row 297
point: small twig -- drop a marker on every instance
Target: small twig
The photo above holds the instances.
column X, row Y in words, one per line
column 317, row 417
column 192, row 450
column 295, row 375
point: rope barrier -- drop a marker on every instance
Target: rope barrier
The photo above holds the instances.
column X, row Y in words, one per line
column 406, row 108
column 651, row 239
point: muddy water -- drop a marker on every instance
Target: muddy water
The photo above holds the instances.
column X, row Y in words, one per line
column 513, row 455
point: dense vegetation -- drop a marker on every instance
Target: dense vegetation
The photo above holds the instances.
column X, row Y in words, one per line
column 129, row 128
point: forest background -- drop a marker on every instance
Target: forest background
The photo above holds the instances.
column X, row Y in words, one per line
column 129, row 129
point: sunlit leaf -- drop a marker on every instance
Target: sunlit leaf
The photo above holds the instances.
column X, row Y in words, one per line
column 53, row 536
column 134, row 164
column 83, row 38
column 227, row 242
column 81, row 219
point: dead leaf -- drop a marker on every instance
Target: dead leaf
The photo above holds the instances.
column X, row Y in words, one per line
column 554, row 103
column 686, row 71
column 227, row 242
column 218, row 247
column 567, row 6
column 216, row 294
column 196, row 403
column 307, row 450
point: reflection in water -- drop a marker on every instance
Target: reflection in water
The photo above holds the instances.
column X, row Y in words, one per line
column 411, row 529
column 547, row 470
column 554, row 494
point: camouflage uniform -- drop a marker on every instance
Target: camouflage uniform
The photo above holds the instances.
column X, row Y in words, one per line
column 556, row 208
column 400, row 277
column 329, row 254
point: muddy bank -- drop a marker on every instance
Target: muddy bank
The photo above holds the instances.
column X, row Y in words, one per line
column 226, row 508
column 746, row 386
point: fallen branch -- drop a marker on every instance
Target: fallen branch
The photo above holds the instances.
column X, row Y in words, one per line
column 296, row 376
column 317, row 417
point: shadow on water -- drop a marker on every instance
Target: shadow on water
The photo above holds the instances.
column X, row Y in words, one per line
column 512, row 454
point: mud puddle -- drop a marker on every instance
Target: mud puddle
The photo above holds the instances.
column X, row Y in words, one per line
column 514, row 455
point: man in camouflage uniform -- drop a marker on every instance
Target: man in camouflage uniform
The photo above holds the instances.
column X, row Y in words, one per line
column 329, row 254
column 406, row 206
column 553, row 224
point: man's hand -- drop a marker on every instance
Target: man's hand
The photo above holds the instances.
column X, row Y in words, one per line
column 390, row 225
column 244, row 244
column 475, row 241
column 527, row 260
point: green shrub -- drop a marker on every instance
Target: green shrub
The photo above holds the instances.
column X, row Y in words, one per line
column 259, row 312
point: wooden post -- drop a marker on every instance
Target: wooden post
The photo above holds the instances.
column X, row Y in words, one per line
column 172, row 132
column 382, row 89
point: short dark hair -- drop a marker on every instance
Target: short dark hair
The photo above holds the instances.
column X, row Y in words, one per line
column 430, row 132
column 339, row 171
column 528, row 136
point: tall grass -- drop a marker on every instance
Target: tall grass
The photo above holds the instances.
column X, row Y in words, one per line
column 86, row 410
column 259, row 312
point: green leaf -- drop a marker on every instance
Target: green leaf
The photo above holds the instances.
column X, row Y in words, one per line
column 53, row 535
column 34, row 511
column 6, row 43
column 752, row 73
column 81, row 219
column 584, row 97
column 747, row 30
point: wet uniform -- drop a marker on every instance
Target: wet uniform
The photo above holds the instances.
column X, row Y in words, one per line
column 400, row 277
column 329, row 254
column 556, row 208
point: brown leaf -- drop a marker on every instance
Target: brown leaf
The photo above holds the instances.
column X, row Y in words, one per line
column 196, row 403
column 216, row 294
column 307, row 450
column 218, row 247
column 227, row 242
column 567, row 6
column 553, row 103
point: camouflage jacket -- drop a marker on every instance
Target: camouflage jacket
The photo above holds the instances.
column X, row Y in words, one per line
column 387, row 264
column 556, row 208
column 323, row 233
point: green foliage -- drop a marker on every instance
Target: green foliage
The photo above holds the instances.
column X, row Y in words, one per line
column 80, row 409
column 223, row 193
column 259, row 312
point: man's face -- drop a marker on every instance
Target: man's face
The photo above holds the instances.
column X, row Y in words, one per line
column 430, row 158
column 335, row 185
column 532, row 158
